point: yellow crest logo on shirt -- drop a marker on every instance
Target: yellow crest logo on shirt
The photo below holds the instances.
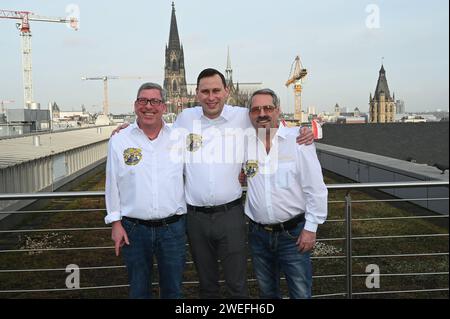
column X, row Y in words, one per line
column 193, row 142
column 132, row 156
column 251, row 168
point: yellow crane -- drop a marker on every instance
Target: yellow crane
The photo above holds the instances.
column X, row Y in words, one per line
column 298, row 73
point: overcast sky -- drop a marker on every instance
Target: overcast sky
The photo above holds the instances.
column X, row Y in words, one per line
column 341, row 43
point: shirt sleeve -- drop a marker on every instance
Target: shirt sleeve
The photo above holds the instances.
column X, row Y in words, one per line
column 247, row 123
column 112, row 194
column 178, row 120
column 311, row 179
column 182, row 118
column 299, row 128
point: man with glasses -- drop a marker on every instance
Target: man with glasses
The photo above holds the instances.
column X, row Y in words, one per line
column 145, row 198
column 286, row 200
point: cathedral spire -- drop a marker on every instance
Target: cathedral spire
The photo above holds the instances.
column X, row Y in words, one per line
column 229, row 70
column 228, row 59
column 174, row 71
column 174, row 38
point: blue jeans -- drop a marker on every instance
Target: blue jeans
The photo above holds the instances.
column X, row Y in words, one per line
column 168, row 244
column 275, row 252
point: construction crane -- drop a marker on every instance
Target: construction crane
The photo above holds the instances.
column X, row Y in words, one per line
column 105, row 79
column 2, row 105
column 296, row 77
column 25, row 32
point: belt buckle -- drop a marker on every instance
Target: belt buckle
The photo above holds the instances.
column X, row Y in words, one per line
column 208, row 209
column 268, row 228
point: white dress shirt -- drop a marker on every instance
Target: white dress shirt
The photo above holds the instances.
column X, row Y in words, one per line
column 285, row 182
column 214, row 155
column 142, row 181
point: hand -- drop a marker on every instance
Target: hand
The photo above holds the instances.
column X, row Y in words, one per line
column 306, row 136
column 120, row 127
column 242, row 178
column 306, row 241
column 119, row 236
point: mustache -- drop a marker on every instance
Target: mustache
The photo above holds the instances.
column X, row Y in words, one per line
column 263, row 118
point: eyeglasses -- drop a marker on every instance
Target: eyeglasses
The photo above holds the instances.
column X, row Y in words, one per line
column 144, row 101
column 266, row 108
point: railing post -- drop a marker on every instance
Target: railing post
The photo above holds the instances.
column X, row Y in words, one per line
column 348, row 248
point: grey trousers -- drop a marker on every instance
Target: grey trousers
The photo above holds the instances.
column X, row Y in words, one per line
column 220, row 235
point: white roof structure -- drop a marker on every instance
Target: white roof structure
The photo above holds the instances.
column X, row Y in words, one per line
column 20, row 149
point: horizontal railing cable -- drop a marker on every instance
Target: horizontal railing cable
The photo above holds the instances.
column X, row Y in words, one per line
column 400, row 291
column 55, row 249
column 63, row 289
column 328, row 221
column 400, row 236
column 112, row 247
column 404, row 274
column 399, row 200
column 345, row 186
column 87, row 210
column 398, row 218
column 401, row 255
column 330, row 295
column 52, row 230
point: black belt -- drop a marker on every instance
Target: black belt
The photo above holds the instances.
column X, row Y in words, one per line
column 215, row 209
column 154, row 222
column 287, row 225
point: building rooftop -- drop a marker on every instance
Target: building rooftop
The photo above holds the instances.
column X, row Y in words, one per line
column 416, row 170
column 22, row 149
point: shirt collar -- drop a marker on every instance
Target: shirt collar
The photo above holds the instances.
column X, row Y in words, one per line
column 135, row 127
column 282, row 131
column 225, row 114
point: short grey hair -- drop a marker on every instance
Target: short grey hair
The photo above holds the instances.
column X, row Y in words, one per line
column 153, row 86
column 275, row 98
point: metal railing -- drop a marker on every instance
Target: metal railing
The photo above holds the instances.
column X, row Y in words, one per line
column 348, row 239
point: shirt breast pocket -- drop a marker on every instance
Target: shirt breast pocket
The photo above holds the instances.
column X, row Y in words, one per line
column 127, row 172
column 285, row 174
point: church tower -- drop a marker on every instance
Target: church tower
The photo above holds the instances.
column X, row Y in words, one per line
column 234, row 90
column 229, row 70
column 382, row 105
column 174, row 71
